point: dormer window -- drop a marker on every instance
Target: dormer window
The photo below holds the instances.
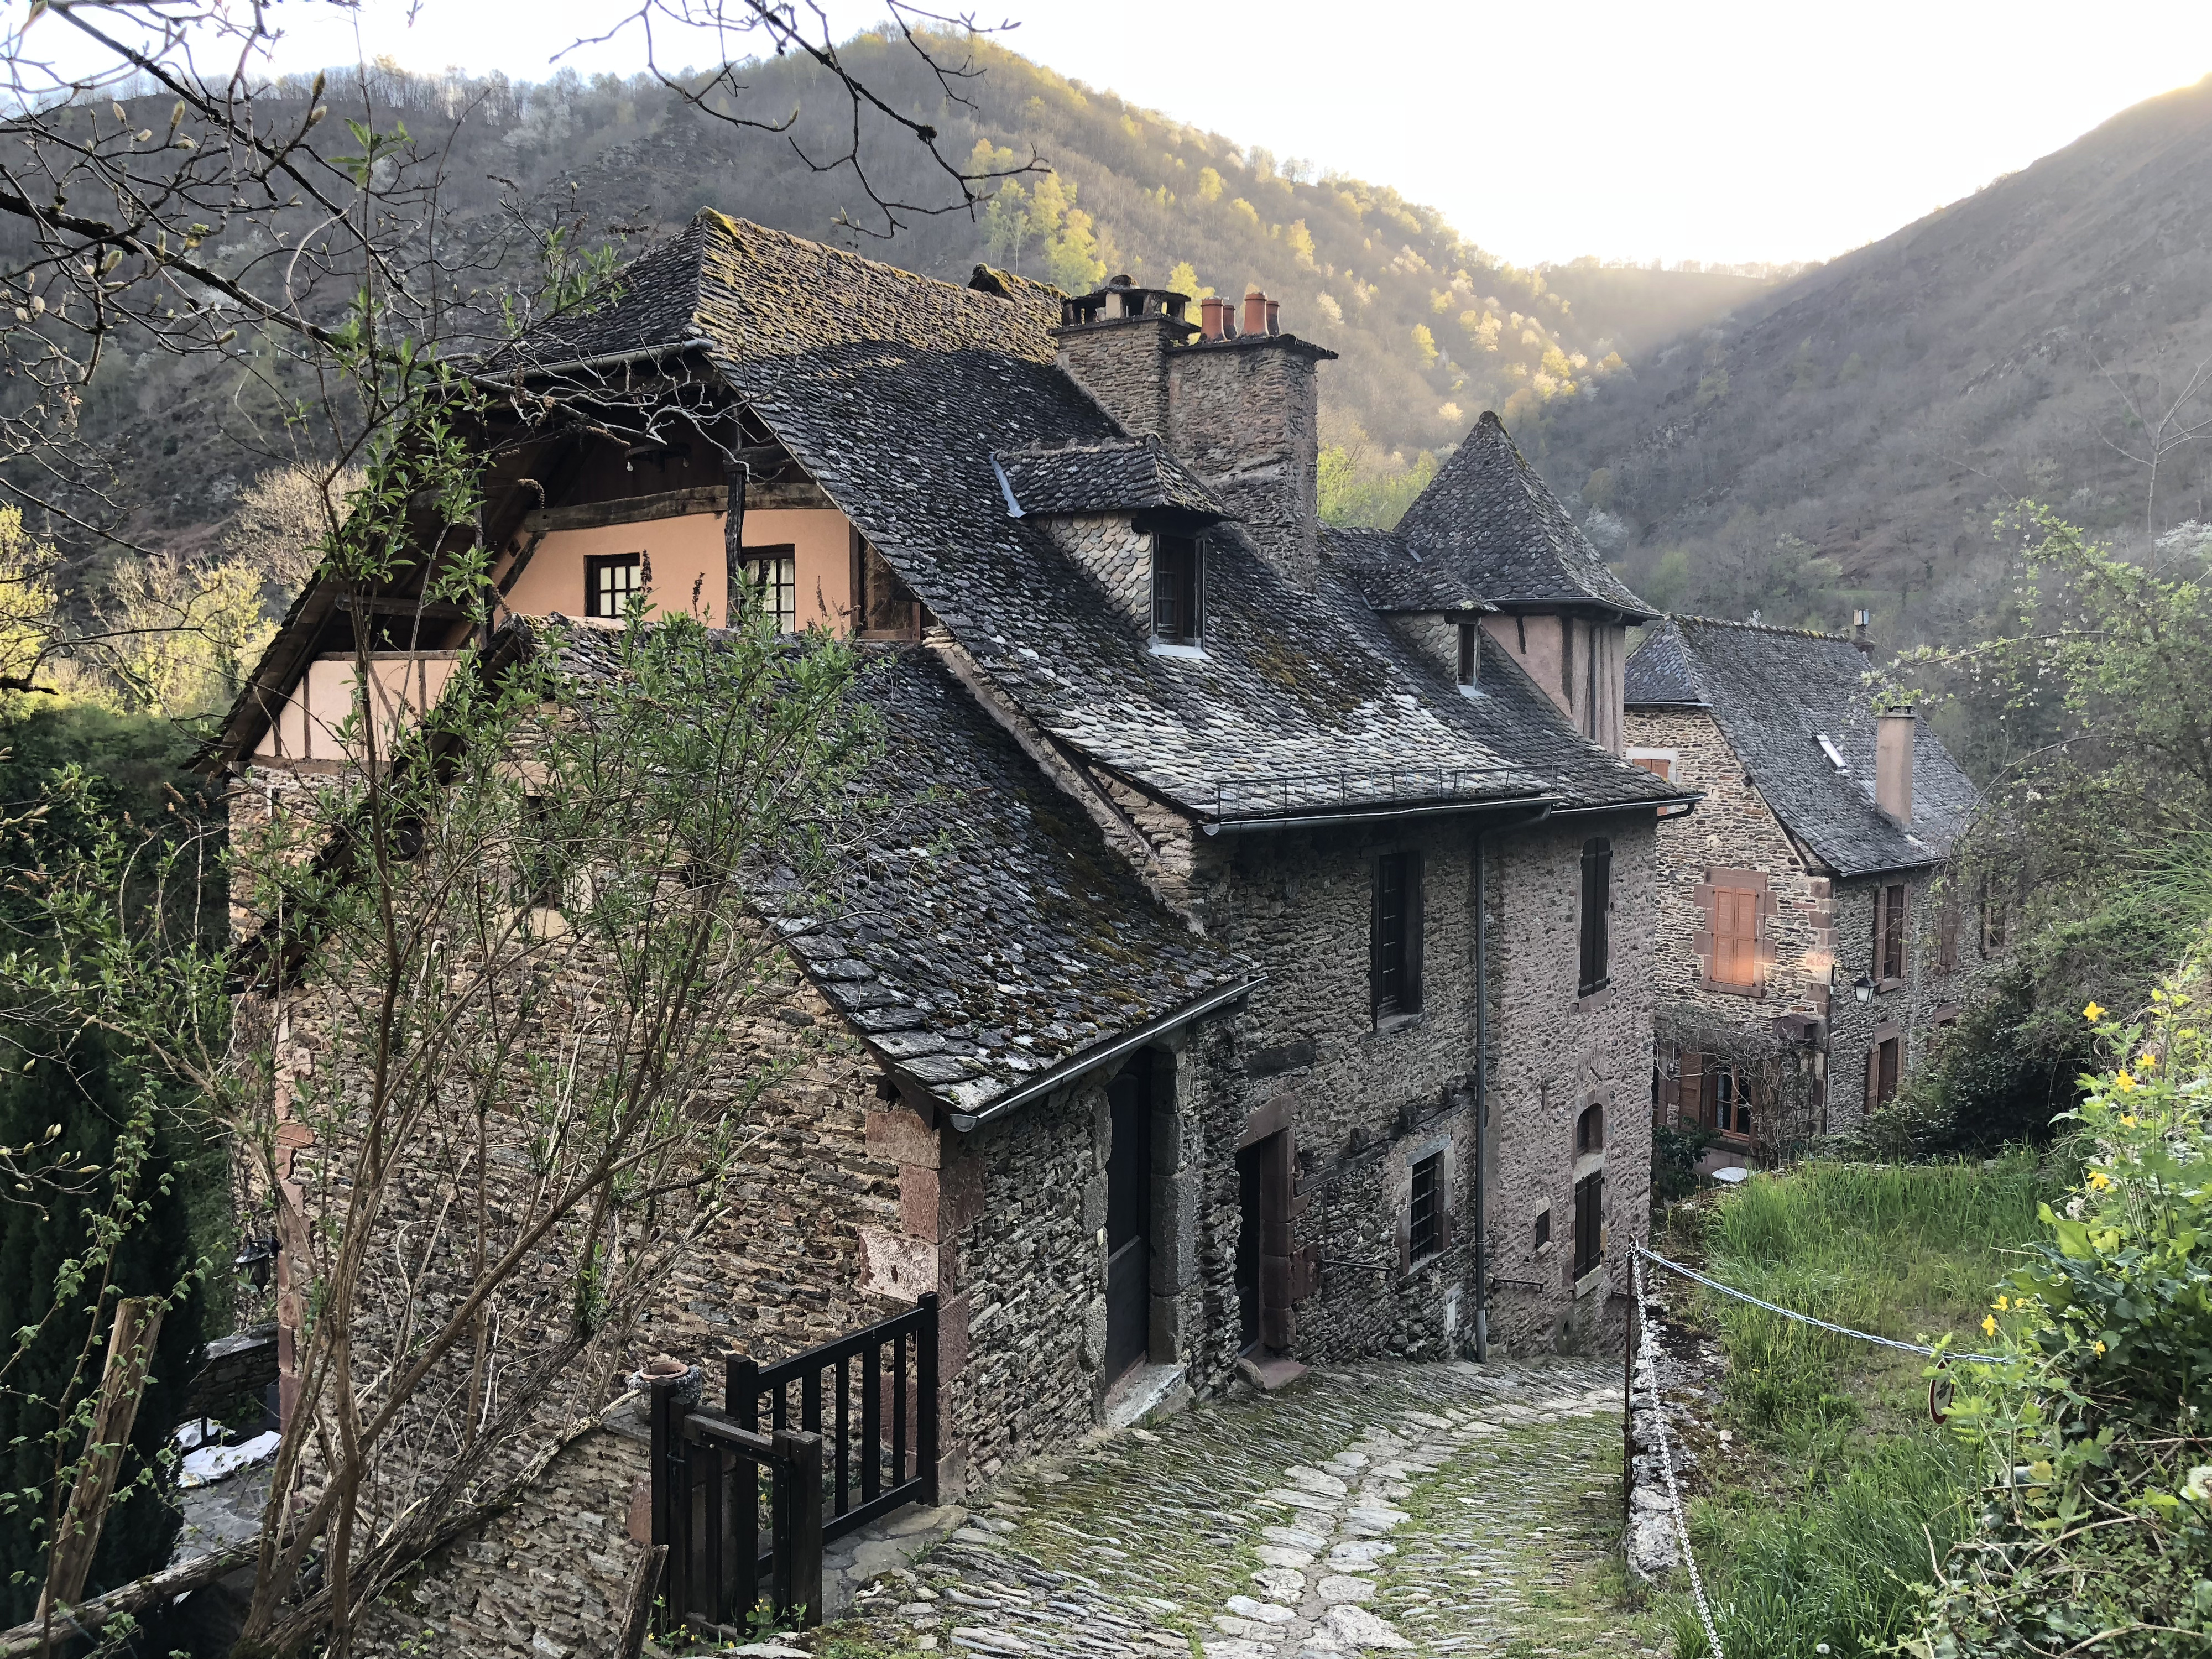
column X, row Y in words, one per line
column 610, row 581
column 1178, row 589
column 1470, row 657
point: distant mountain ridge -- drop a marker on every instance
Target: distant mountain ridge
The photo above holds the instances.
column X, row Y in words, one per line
column 1844, row 438
column 1431, row 329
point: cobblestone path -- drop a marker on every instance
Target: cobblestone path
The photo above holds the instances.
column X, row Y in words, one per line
column 1447, row 1510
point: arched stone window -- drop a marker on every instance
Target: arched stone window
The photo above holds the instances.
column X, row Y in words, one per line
column 1589, row 1131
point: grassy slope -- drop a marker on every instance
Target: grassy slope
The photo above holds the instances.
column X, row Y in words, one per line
column 1836, row 1482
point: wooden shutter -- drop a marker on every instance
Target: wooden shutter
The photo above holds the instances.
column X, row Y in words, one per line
column 1946, row 931
column 1735, row 936
column 1690, row 1089
column 1414, row 926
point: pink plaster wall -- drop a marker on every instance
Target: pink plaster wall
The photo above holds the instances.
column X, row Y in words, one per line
column 686, row 553
column 403, row 683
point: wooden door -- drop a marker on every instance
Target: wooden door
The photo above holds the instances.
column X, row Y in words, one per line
column 1129, row 1220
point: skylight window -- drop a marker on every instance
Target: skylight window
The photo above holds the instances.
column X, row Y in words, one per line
column 1835, row 755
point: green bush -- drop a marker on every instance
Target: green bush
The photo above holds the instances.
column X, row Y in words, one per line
column 2095, row 1528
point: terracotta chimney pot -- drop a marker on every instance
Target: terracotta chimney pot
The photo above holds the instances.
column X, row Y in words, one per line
column 1274, row 322
column 1255, row 314
column 1893, row 730
column 1209, row 310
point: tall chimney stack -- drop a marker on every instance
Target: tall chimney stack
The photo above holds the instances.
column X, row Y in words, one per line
column 1114, row 343
column 1894, row 730
column 1859, row 620
column 1244, row 413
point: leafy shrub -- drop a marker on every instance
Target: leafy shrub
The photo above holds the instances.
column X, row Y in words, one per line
column 2096, row 1526
column 1675, row 1155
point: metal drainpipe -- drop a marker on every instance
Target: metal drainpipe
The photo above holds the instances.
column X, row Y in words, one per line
column 1481, row 1105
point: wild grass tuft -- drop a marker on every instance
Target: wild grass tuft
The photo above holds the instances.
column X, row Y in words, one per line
column 1907, row 1251
column 1822, row 1554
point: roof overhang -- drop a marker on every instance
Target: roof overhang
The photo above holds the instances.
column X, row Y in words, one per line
column 1076, row 1067
column 1521, row 808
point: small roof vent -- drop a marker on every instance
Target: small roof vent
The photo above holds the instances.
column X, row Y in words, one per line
column 1835, row 755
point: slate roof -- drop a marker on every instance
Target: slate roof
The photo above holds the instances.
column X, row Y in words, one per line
column 895, row 394
column 1129, row 475
column 1775, row 692
column 1658, row 674
column 984, row 934
column 1488, row 515
column 1392, row 575
column 754, row 292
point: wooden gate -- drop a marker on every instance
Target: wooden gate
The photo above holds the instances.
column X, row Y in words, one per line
column 850, row 1435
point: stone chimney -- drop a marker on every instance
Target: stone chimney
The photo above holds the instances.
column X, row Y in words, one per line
column 1860, row 619
column 1243, row 412
column 1113, row 345
column 1894, row 730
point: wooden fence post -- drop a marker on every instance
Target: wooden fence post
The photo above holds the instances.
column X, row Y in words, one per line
column 672, row 1390
column 799, row 1538
column 644, row 1579
column 123, row 1383
column 925, row 1387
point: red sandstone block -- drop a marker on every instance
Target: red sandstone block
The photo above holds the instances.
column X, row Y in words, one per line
column 900, row 1137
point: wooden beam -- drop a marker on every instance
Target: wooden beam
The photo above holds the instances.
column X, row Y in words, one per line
column 123, row 1381
column 393, row 604
column 135, row 1597
column 671, row 504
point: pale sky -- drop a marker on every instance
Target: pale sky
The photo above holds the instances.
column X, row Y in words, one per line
column 1719, row 130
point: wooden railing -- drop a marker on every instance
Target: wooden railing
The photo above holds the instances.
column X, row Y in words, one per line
column 851, row 1436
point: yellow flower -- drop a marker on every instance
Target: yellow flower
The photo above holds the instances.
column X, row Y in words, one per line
column 2000, row 1305
column 2126, row 1082
column 2100, row 1347
column 2127, row 1121
column 1989, row 1324
column 2148, row 1062
column 2092, row 1013
column 2099, row 1180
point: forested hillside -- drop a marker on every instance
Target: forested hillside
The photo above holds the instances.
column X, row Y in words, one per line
column 1841, row 440
column 1432, row 329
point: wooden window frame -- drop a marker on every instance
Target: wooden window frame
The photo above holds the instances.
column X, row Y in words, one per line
column 595, row 565
column 1393, row 964
column 1426, row 1218
column 1594, row 966
column 757, row 591
column 1178, row 588
column 1542, row 1227
column 895, row 614
column 1470, row 656
column 1893, row 940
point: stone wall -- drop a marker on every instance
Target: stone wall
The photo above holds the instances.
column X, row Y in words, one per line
column 1818, row 933
column 1731, row 829
column 1553, row 1055
column 547, row 1576
column 1916, row 1011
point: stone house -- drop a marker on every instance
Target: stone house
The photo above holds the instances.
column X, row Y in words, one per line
column 1288, row 998
column 1805, row 925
